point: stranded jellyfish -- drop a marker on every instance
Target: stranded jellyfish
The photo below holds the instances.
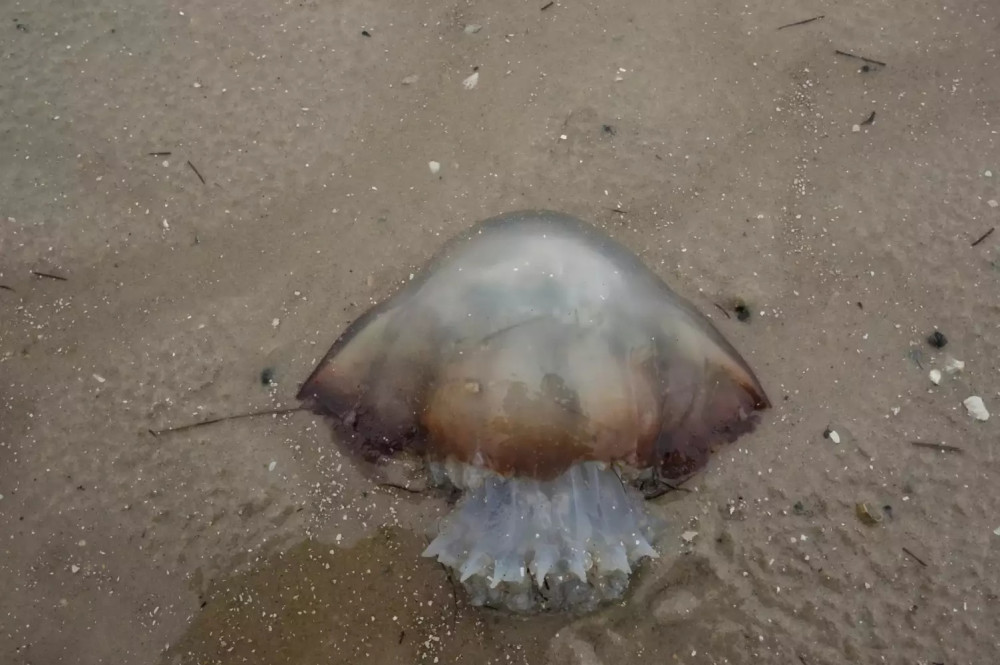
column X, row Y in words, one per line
column 540, row 368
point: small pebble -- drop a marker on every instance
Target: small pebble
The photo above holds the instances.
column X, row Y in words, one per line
column 434, row 167
column 689, row 536
column 935, row 375
column 988, row 174
column 834, row 436
column 270, row 467
column 856, row 128
column 992, row 203
column 411, row 79
column 976, row 408
column 937, row 339
column 471, row 82
column 75, row 569
column 952, row 366
column 473, row 28
column 99, row 378
column 275, row 323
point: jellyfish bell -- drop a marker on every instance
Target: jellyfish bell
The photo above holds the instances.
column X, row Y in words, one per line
column 540, row 368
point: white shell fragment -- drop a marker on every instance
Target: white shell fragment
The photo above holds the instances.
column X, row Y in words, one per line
column 974, row 405
column 935, row 375
column 471, row 82
column 435, row 167
column 834, row 436
column 952, row 366
column 473, row 28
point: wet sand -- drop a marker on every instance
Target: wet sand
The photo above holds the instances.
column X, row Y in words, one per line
column 733, row 157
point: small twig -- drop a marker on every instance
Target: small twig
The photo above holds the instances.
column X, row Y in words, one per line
column 7, row 288
column 870, row 119
column 936, row 446
column 212, row 421
column 193, row 168
column 49, row 276
column 984, row 236
column 160, row 154
column 404, row 488
column 915, row 557
column 808, row 20
column 547, row 5
column 619, row 211
column 860, row 57
column 722, row 309
column 454, row 597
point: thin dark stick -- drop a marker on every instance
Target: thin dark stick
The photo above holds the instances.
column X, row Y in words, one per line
column 936, row 446
column 547, row 5
column 860, row 57
column 212, row 421
column 160, row 154
column 870, row 119
column 7, row 288
column 49, row 276
column 619, row 211
column 454, row 597
column 401, row 487
column 984, row 236
column 196, row 172
column 722, row 309
column 808, row 20
column 915, row 557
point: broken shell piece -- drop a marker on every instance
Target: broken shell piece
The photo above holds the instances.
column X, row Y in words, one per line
column 471, row 82
column 867, row 514
column 435, row 167
column 935, row 375
column 976, row 408
column 530, row 363
column 952, row 366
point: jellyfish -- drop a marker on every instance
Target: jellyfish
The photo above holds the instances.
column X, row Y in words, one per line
column 542, row 370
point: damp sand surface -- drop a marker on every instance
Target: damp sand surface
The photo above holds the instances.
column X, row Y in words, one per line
column 197, row 197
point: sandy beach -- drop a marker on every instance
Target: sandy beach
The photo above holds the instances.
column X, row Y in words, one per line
column 197, row 197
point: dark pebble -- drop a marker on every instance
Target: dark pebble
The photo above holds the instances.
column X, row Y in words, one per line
column 937, row 339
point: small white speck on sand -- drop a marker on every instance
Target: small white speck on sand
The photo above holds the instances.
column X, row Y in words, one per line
column 435, row 167
column 99, row 378
column 992, row 203
column 935, row 376
column 834, row 436
column 74, row 569
column 689, row 536
column 275, row 323
column 856, row 128
column 411, row 79
column 471, row 82
column 272, row 465
column 473, row 28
